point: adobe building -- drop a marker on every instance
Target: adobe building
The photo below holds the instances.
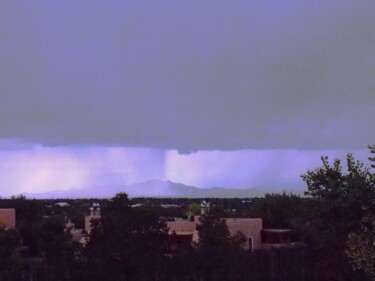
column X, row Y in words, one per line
column 8, row 218
column 250, row 227
column 76, row 233
column 184, row 231
column 94, row 214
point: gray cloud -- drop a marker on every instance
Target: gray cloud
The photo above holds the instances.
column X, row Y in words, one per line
column 189, row 76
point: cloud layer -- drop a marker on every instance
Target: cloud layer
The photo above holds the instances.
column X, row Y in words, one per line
column 195, row 75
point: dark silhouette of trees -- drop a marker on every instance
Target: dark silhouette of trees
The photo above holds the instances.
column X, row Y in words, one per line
column 361, row 242
column 372, row 151
column 361, row 245
column 28, row 220
column 126, row 244
column 279, row 210
column 219, row 256
column 339, row 198
column 10, row 242
column 57, row 248
column 55, row 242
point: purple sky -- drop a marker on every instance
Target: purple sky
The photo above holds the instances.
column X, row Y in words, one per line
column 191, row 91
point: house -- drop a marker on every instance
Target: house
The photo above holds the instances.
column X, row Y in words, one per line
column 81, row 235
column 94, row 214
column 184, row 231
column 62, row 204
column 249, row 227
column 8, row 218
column 76, row 233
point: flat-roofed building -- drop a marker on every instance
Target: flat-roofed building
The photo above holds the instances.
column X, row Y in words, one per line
column 94, row 214
column 181, row 231
column 8, row 218
column 249, row 227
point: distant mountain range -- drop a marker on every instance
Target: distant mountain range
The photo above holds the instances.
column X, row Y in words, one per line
column 154, row 188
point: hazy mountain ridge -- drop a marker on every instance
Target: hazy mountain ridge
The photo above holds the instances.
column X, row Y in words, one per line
column 154, row 188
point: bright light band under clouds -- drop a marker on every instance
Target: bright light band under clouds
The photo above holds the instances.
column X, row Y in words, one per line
column 35, row 168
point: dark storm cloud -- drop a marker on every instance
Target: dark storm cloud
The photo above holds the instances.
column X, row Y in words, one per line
column 188, row 75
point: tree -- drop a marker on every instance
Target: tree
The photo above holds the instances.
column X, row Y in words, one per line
column 340, row 196
column 29, row 219
column 55, row 242
column 10, row 241
column 361, row 242
column 195, row 208
column 278, row 210
column 361, row 245
column 372, row 151
column 218, row 255
column 126, row 244
column 339, row 199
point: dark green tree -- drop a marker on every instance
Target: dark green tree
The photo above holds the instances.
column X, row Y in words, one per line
column 361, row 242
column 55, row 242
column 372, row 151
column 361, row 245
column 278, row 210
column 29, row 219
column 10, row 242
column 126, row 244
column 339, row 198
column 57, row 248
column 218, row 255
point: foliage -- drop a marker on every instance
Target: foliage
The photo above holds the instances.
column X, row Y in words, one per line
column 195, row 208
column 361, row 245
column 55, row 242
column 372, row 151
column 279, row 210
column 58, row 251
column 125, row 244
column 28, row 220
column 338, row 207
column 10, row 241
column 216, row 251
column 361, row 242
